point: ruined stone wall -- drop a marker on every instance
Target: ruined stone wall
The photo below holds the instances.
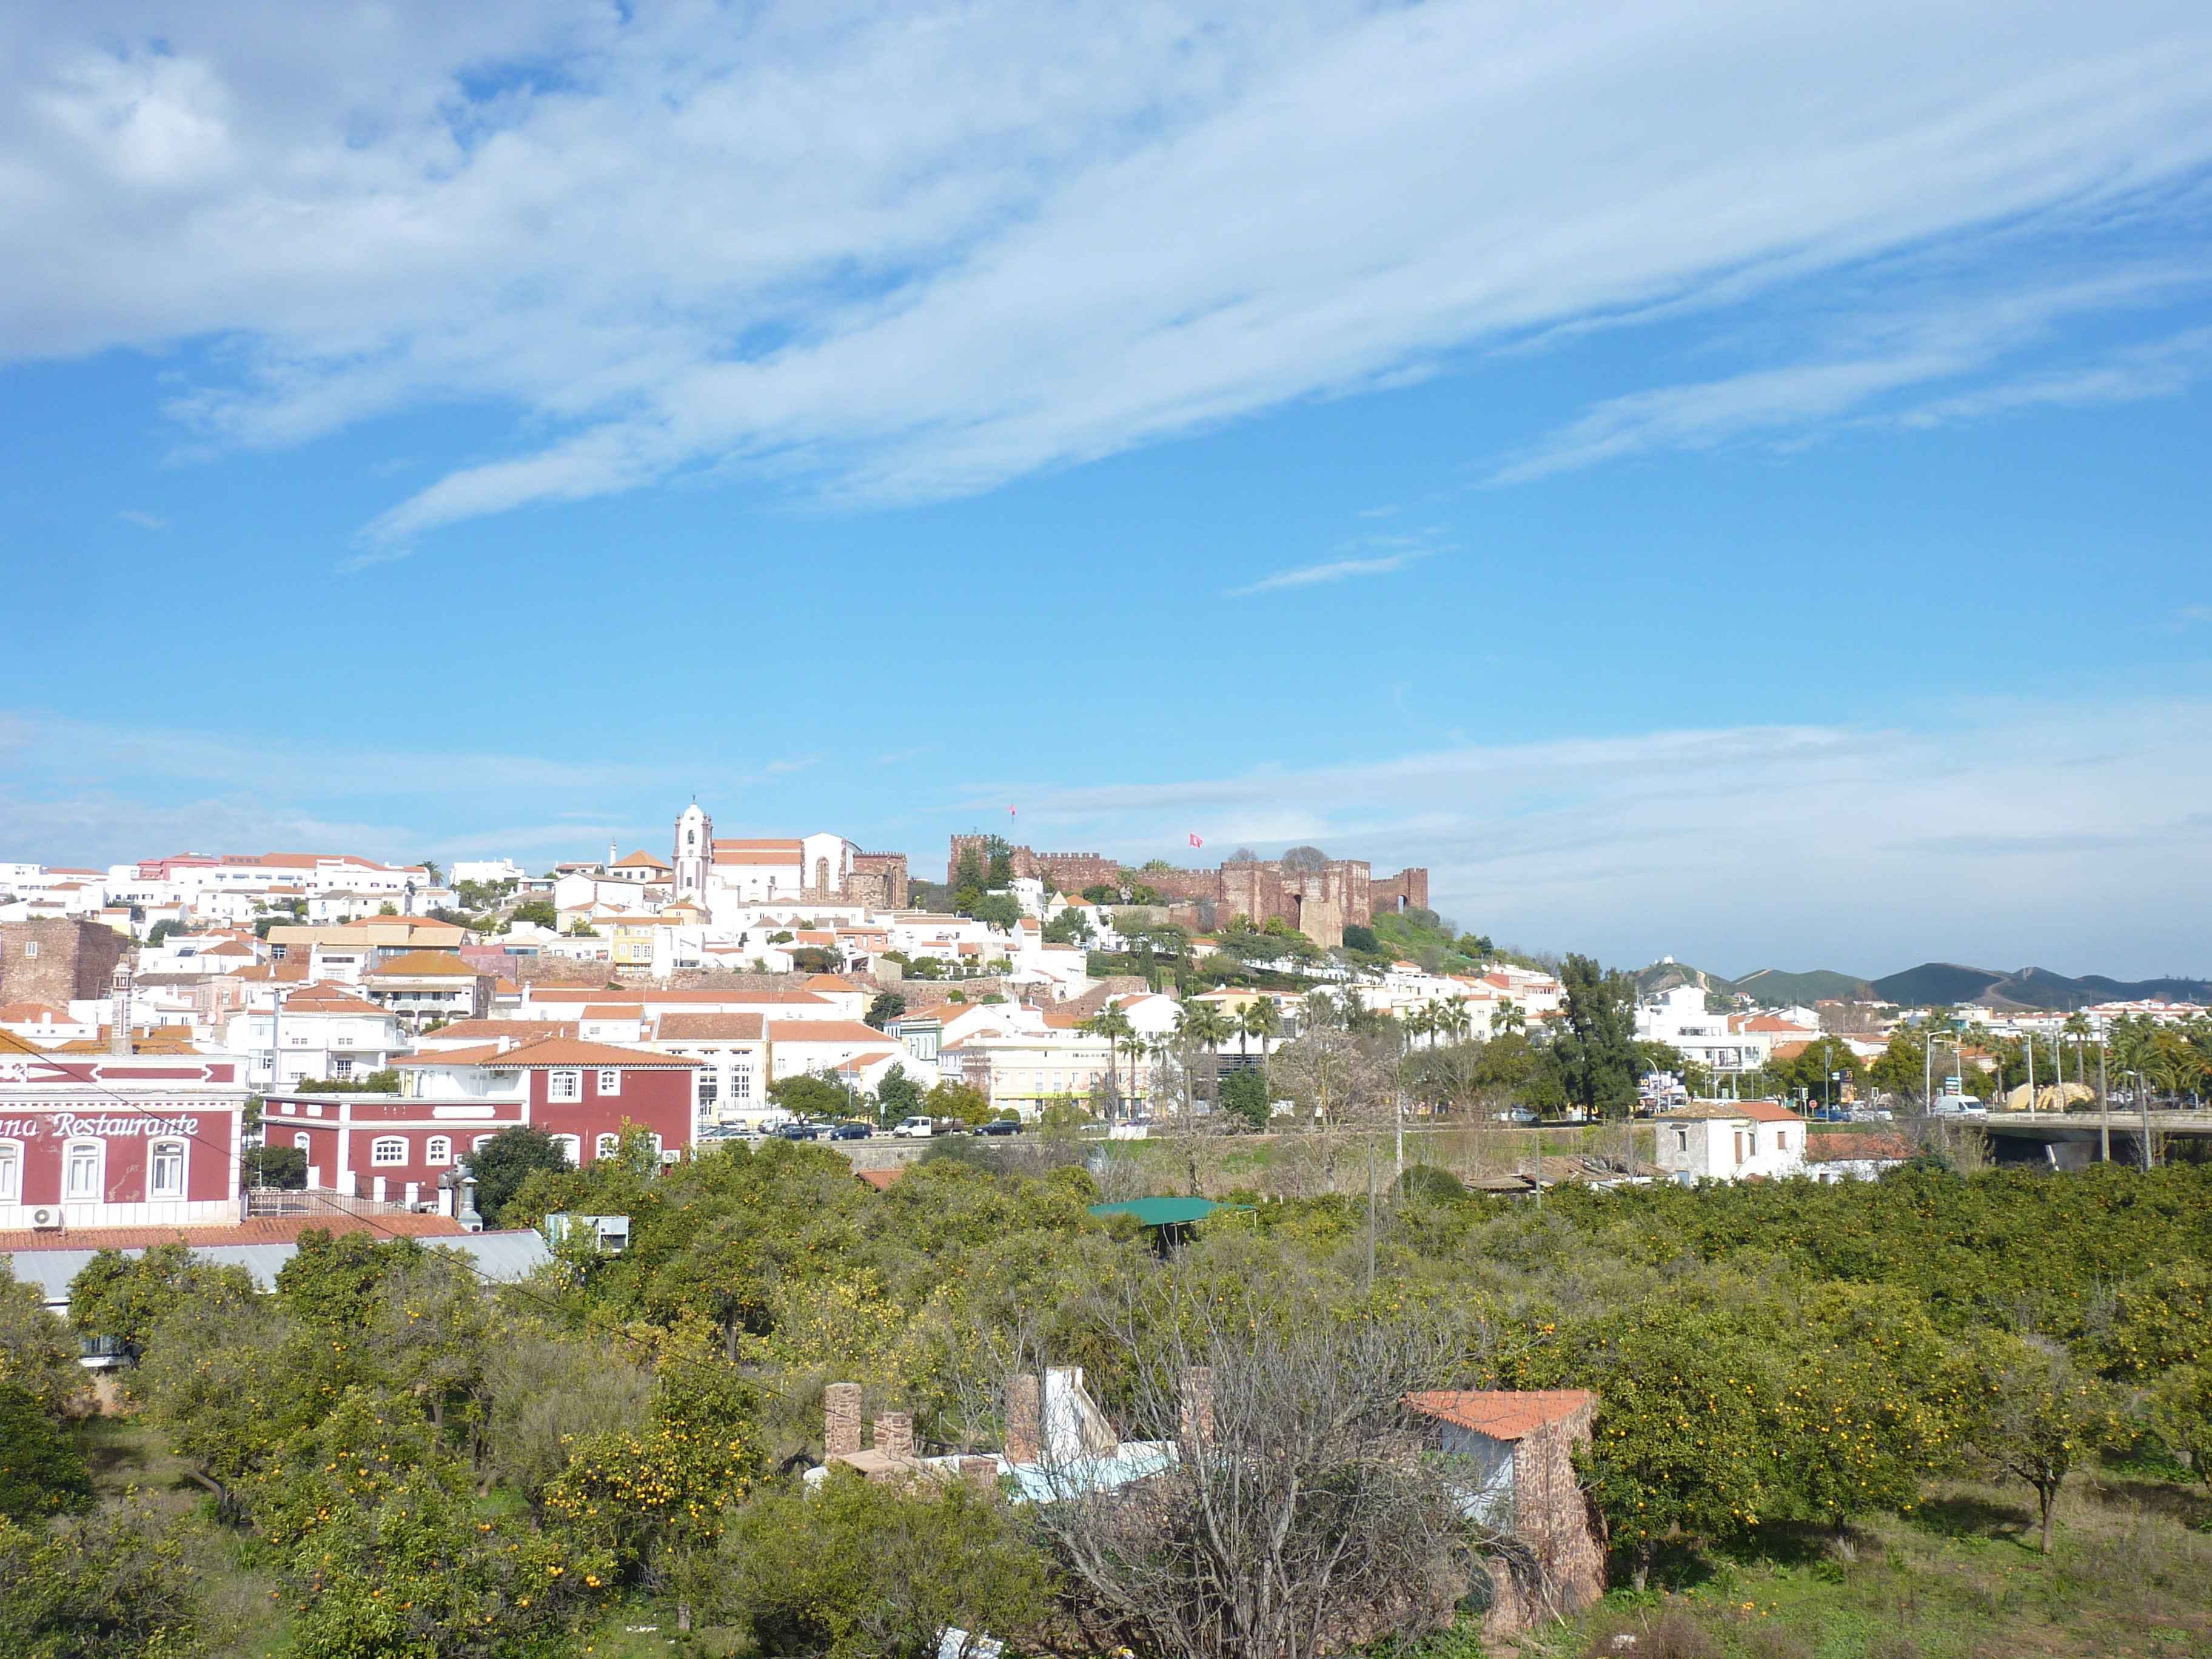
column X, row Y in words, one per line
column 54, row 961
column 1552, row 1514
column 1407, row 890
column 879, row 879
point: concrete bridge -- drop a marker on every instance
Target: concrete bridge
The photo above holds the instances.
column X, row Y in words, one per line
column 2072, row 1140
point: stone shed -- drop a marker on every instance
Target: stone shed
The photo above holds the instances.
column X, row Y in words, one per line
column 1519, row 1448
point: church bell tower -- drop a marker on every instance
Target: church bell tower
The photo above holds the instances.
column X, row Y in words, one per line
column 694, row 851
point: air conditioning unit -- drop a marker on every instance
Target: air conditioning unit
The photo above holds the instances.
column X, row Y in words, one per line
column 46, row 1220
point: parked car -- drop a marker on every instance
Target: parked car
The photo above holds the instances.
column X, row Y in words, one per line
column 850, row 1132
column 798, row 1131
column 1000, row 1126
column 912, row 1129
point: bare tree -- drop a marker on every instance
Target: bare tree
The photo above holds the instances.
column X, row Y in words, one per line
column 1342, row 1083
column 1284, row 1500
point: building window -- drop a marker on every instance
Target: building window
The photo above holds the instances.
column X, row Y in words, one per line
column 609, row 1145
column 741, row 1083
column 387, row 1150
column 1781, row 1140
column 11, row 1173
column 166, row 1169
column 303, row 1141
column 564, row 1085
column 478, row 1144
column 571, row 1148
column 30, row 947
column 81, row 1169
column 610, row 1081
column 1681, row 1141
column 439, row 1151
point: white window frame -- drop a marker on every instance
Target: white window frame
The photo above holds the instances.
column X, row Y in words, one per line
column 565, row 1087
column 304, row 1142
column 573, row 1146
column 155, row 1153
column 438, row 1151
column 608, row 1145
column 379, row 1151
column 610, row 1080
column 11, row 1171
column 70, row 1191
column 478, row 1144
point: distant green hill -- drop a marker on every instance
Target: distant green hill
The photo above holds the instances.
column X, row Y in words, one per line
column 1933, row 982
column 1661, row 977
column 1779, row 988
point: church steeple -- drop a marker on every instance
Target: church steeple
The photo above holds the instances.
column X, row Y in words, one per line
column 694, row 852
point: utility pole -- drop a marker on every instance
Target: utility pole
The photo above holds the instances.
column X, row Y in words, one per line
column 2143, row 1100
column 2103, row 1102
column 2030, row 1070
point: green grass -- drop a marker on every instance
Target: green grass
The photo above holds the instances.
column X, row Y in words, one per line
column 2131, row 1578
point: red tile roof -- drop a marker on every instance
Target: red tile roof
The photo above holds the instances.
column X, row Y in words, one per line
column 417, row 963
column 491, row 1031
column 702, row 1028
column 880, row 1179
column 549, row 1052
column 255, row 1230
column 1830, row 1149
column 823, row 1030
column 1502, row 1413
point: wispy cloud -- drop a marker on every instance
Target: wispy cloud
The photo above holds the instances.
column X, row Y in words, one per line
column 143, row 520
column 1871, row 356
column 1059, row 234
column 1331, row 570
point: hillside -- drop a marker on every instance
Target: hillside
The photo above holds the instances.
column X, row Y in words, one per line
column 1661, row 977
column 1933, row 982
column 1779, row 988
column 2030, row 988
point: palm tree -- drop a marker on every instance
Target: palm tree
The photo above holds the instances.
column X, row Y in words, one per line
column 1421, row 1019
column 1261, row 1019
column 1204, row 1024
column 2077, row 1027
column 1112, row 1023
column 1508, row 1017
column 1456, row 1021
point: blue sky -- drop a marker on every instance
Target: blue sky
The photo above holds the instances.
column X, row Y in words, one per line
column 1720, row 479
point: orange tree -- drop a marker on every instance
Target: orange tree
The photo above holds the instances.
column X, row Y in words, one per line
column 1683, row 1446
column 1870, row 1406
column 2035, row 1416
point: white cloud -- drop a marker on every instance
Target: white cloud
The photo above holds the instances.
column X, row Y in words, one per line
column 1942, row 341
column 1331, row 570
column 916, row 250
column 143, row 520
column 2073, row 837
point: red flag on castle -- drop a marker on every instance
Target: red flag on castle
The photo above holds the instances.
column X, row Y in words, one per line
column 1195, row 841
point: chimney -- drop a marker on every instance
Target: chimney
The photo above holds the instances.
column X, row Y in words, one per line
column 1024, row 1419
column 979, row 1473
column 119, row 1012
column 1196, row 1399
column 841, row 1410
column 895, row 1434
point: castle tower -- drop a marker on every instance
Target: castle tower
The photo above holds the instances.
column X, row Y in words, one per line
column 694, row 851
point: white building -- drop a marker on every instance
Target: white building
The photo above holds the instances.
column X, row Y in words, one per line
column 1731, row 1140
column 324, row 1032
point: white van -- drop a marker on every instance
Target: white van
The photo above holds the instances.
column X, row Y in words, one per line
column 912, row 1128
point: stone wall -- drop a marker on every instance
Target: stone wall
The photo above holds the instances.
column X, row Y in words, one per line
column 1321, row 903
column 879, row 879
column 1552, row 1516
column 54, row 961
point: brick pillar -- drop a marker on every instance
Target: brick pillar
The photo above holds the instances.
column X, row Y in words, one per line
column 895, row 1434
column 1024, row 1419
column 1196, row 1399
column 841, row 1409
column 982, row 1473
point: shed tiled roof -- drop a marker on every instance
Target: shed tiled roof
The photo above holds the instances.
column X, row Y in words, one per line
column 1839, row 1148
column 254, row 1230
column 1502, row 1413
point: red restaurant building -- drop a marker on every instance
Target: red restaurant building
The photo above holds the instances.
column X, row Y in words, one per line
column 117, row 1140
column 397, row 1147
